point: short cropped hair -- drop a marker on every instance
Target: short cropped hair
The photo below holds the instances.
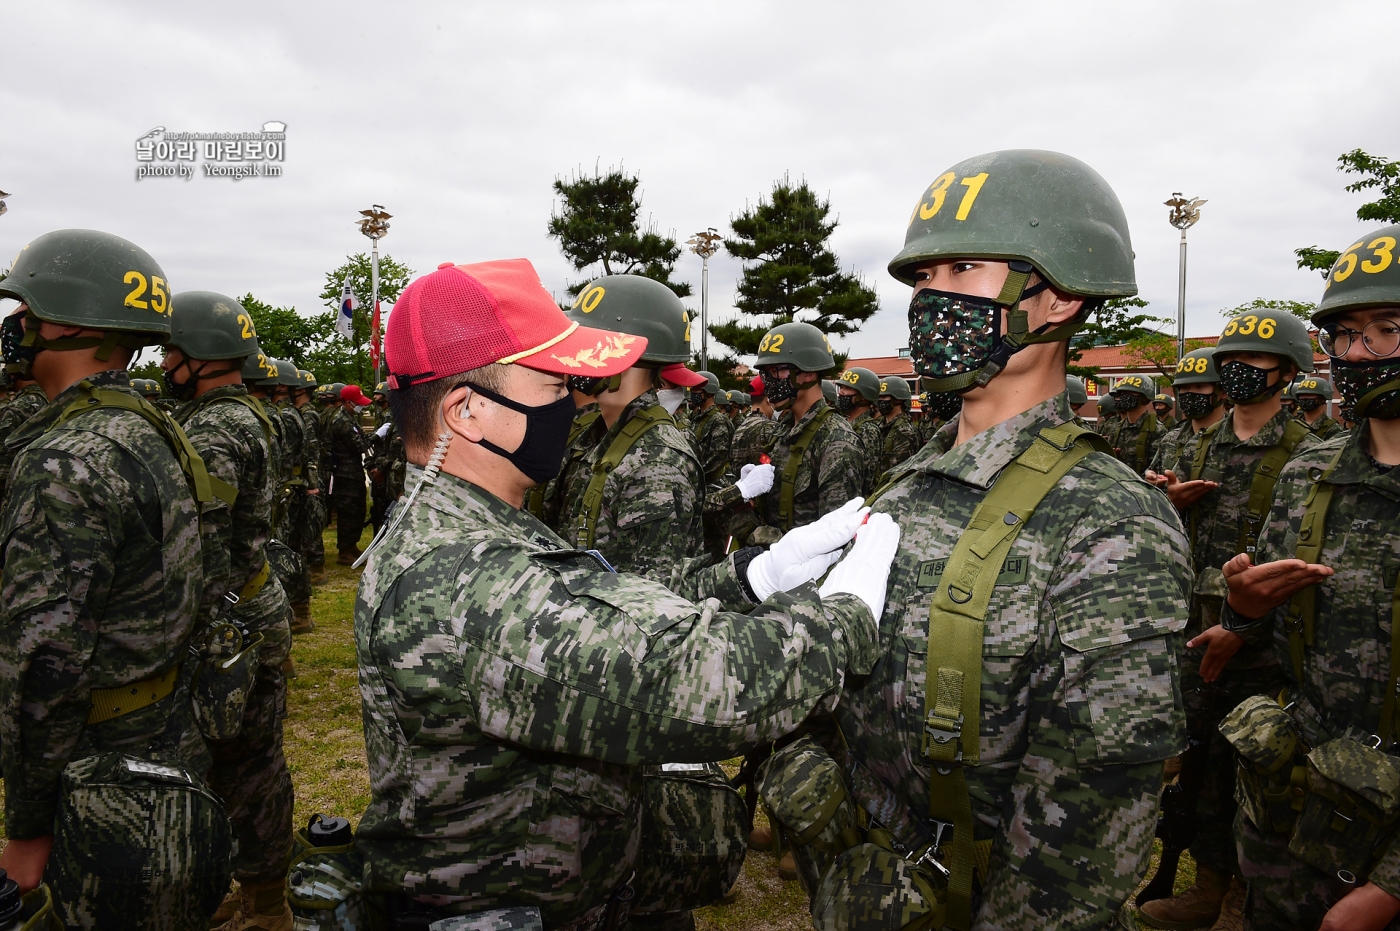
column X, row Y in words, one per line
column 415, row 408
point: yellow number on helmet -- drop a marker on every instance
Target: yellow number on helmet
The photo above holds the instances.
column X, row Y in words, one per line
column 883, row 388
column 1201, row 365
column 1346, row 263
column 1380, row 255
column 1266, row 328
column 591, row 299
column 777, row 342
column 133, row 299
column 938, row 190
column 1247, row 324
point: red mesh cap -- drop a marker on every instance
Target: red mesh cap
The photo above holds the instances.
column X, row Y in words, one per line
column 462, row 317
column 678, row 374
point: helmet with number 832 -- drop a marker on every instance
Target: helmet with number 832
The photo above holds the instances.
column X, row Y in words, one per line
column 642, row 307
column 1366, row 274
column 798, row 344
column 209, row 325
column 1277, row 332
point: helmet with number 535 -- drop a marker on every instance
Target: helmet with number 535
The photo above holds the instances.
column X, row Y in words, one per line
column 1366, row 274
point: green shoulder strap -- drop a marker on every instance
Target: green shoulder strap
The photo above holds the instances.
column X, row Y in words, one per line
column 1205, row 439
column 788, row 487
column 1261, row 486
column 952, row 719
column 1149, row 427
column 1312, row 534
column 643, row 421
column 534, row 501
column 93, row 398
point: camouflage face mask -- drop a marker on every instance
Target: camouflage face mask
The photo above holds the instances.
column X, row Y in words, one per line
column 952, row 334
column 1368, row 389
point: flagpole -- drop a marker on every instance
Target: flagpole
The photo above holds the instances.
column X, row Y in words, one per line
column 375, row 226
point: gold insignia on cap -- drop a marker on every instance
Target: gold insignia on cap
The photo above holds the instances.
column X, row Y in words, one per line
column 612, row 347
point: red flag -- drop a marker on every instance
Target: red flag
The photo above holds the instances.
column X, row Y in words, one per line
column 374, row 336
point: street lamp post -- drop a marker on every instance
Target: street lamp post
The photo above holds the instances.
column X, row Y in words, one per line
column 3, row 195
column 375, row 225
column 1184, row 215
column 705, row 245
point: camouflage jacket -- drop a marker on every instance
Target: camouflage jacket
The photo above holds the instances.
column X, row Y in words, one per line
column 1324, row 429
column 512, row 690
column 1124, row 438
column 1080, row 690
column 100, row 589
column 830, row 473
column 1169, row 448
column 22, row 405
column 900, row 441
column 1347, row 670
column 388, row 457
column 311, row 433
column 348, row 445
column 295, row 449
column 872, row 446
column 713, row 435
column 1214, row 522
column 754, row 436
column 649, row 522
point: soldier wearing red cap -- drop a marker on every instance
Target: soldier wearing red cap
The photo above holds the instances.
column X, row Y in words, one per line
column 514, row 686
column 349, row 497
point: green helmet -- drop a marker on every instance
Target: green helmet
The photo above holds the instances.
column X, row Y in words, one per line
column 92, row 279
column 1197, row 367
column 1135, row 384
column 206, row 325
column 1078, row 394
column 829, row 391
column 896, row 387
column 740, row 398
column 642, row 307
column 308, row 380
column 1280, row 334
column 381, row 388
column 722, row 399
column 333, row 395
column 1366, row 274
column 259, row 369
column 1165, row 399
column 865, row 382
column 711, row 385
column 800, row 345
column 287, row 374
column 1320, row 387
column 1048, row 209
column 1106, row 406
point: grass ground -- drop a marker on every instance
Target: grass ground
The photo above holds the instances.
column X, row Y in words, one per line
column 326, row 755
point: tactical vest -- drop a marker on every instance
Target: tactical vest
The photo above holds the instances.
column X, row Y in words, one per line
column 787, row 487
column 1147, row 426
column 640, row 423
column 1261, row 486
column 957, row 621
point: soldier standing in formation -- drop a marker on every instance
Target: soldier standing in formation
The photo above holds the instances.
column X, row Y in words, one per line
column 301, row 478
column 1108, row 417
column 900, row 435
column 348, row 445
column 313, row 546
column 1202, row 403
column 1078, row 399
column 857, row 391
column 26, row 400
column 1165, row 408
column 713, row 432
column 1136, row 433
column 1311, row 397
column 1223, row 483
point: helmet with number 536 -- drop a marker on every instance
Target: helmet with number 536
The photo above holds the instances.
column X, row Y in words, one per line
column 95, row 280
column 1366, row 274
column 1277, row 332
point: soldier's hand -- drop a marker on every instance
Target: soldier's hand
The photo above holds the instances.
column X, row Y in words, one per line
column 1257, row 590
column 24, row 861
column 1368, row 908
column 805, row 553
column 1221, row 645
column 865, row 571
column 1183, row 494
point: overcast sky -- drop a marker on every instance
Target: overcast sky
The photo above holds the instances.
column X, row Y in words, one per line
column 458, row 116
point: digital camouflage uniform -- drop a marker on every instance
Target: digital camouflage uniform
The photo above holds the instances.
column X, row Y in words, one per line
column 1324, row 429
column 830, row 474
column 1169, row 447
column 754, row 437
column 313, row 546
column 513, row 690
column 1214, row 523
column 101, row 588
column 388, row 457
column 1346, row 671
column 649, row 522
column 250, row 771
column 872, row 443
column 348, row 444
column 22, row 405
column 714, row 434
column 299, row 471
column 1124, row 437
column 900, row 440
column 1079, row 680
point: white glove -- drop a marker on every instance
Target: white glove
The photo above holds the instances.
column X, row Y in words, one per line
column 803, row 554
column 866, row 569
column 754, row 480
column 383, row 431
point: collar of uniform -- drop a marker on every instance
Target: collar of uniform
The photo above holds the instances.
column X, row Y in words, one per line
column 1354, row 466
column 39, row 424
column 1268, row 435
column 638, row 404
column 981, row 459
column 457, row 497
column 815, row 409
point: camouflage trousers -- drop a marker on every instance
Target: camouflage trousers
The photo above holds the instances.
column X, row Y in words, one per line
column 250, row 771
column 291, row 571
column 349, row 505
column 308, row 532
column 1285, row 894
column 1206, row 706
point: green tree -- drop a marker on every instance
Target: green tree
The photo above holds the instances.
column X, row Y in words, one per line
column 1376, row 172
column 285, row 334
column 597, row 224
column 790, row 272
column 1300, row 309
column 1118, row 322
column 348, row 360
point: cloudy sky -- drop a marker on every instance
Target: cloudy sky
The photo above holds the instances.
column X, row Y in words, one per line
column 458, row 116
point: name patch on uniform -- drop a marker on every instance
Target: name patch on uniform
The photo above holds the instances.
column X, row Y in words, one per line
column 1392, row 576
column 1014, row 571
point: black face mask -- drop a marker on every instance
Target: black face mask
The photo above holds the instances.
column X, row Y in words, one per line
column 1368, row 389
column 1194, row 406
column 175, row 389
column 1245, row 383
column 696, row 400
column 1309, row 403
column 943, row 405
column 1125, row 401
column 884, row 406
column 845, row 403
column 18, row 357
column 780, row 389
column 540, row 455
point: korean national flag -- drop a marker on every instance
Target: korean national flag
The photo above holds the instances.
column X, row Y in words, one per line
column 346, row 316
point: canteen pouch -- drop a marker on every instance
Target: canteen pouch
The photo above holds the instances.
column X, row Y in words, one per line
column 223, row 680
column 805, row 797
column 1351, row 809
column 137, row 837
column 869, row 888
column 694, row 837
column 324, row 888
column 1272, row 778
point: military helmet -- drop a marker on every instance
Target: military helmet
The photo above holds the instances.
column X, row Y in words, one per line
column 896, row 387
column 1366, row 274
column 1197, row 367
column 721, row 398
column 95, row 280
column 150, row 387
column 1165, row 399
column 336, row 388
column 1078, row 394
column 287, row 374
column 308, row 380
column 740, row 398
column 865, row 382
column 207, row 325
column 1106, row 406
column 1276, row 332
column 640, row 306
column 711, row 385
column 258, row 369
column 800, row 345
column 829, row 391
column 1312, row 385
column 1135, row 384
column 381, row 388
column 1048, row 209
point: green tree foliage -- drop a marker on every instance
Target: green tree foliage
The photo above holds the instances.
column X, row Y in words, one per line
column 285, row 334
column 1260, row 305
column 790, row 272
column 1118, row 322
column 333, row 357
column 598, row 227
column 1159, row 351
column 1376, row 172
